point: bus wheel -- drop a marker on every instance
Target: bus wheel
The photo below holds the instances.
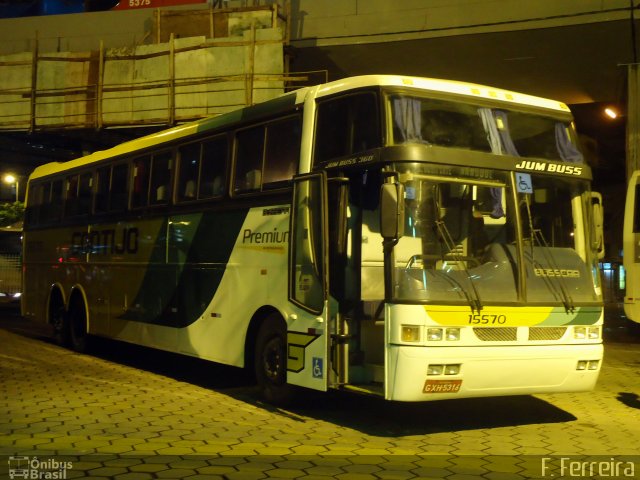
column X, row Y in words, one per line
column 78, row 327
column 59, row 322
column 271, row 361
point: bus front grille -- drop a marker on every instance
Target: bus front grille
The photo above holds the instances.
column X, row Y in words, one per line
column 496, row 334
column 546, row 333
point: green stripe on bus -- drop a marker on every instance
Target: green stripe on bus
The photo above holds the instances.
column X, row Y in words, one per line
column 177, row 291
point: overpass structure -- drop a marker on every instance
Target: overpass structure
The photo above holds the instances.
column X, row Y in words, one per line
column 71, row 84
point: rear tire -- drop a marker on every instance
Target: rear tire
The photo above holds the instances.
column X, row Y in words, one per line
column 79, row 338
column 59, row 321
column 271, row 362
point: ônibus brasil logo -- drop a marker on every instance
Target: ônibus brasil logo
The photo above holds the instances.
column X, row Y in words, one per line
column 34, row 468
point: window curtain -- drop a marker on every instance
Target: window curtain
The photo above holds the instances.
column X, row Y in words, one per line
column 502, row 124
column 496, row 141
column 408, row 119
column 567, row 150
column 491, row 129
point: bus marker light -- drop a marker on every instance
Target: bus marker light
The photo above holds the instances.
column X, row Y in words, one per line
column 434, row 334
column 410, row 333
column 452, row 369
column 435, row 369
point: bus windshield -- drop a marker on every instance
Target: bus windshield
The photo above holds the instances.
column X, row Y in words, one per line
column 498, row 130
column 468, row 236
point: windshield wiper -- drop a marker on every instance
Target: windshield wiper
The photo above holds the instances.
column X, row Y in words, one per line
column 560, row 291
column 538, row 238
column 474, row 302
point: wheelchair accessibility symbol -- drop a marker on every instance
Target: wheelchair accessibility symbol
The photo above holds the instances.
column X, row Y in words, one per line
column 523, row 183
column 317, row 367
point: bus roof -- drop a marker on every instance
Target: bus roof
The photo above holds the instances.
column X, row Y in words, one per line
column 444, row 86
column 288, row 101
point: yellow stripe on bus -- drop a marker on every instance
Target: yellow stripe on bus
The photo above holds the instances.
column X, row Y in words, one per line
column 491, row 316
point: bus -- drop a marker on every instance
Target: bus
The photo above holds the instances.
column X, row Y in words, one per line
column 10, row 264
column 631, row 253
column 411, row 238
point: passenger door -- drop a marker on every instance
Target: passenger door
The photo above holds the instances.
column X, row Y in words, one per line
column 308, row 330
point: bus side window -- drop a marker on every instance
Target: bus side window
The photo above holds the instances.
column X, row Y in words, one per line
column 213, row 173
column 71, row 196
column 249, row 146
column 140, row 186
column 346, row 126
column 282, row 151
column 119, row 190
column 161, row 178
column 45, row 207
column 56, row 203
column 102, row 190
column 636, row 211
column 36, row 200
column 189, row 156
column 84, row 193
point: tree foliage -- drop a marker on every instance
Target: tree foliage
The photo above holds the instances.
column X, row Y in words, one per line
column 11, row 213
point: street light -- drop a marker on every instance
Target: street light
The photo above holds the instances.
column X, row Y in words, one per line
column 611, row 113
column 12, row 180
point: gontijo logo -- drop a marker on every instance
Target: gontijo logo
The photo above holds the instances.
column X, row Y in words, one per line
column 34, row 468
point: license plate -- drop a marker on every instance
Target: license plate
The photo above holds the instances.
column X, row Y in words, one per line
column 442, row 386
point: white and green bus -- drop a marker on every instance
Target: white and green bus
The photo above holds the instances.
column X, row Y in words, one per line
column 631, row 252
column 411, row 238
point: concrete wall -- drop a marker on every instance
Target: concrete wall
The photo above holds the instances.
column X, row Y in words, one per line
column 321, row 22
column 80, row 32
column 334, row 22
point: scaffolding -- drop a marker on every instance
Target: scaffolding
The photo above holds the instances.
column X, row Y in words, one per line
column 237, row 60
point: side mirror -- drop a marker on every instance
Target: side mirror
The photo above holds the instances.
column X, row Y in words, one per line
column 391, row 211
column 597, row 215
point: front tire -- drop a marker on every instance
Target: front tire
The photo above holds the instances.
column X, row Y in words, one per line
column 271, row 362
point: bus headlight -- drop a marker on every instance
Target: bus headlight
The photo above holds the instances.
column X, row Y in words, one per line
column 434, row 334
column 435, row 369
column 453, row 334
column 579, row 333
column 587, row 333
column 410, row 333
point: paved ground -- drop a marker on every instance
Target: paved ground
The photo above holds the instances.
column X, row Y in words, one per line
column 132, row 413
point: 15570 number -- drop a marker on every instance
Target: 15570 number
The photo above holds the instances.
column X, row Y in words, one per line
column 487, row 319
